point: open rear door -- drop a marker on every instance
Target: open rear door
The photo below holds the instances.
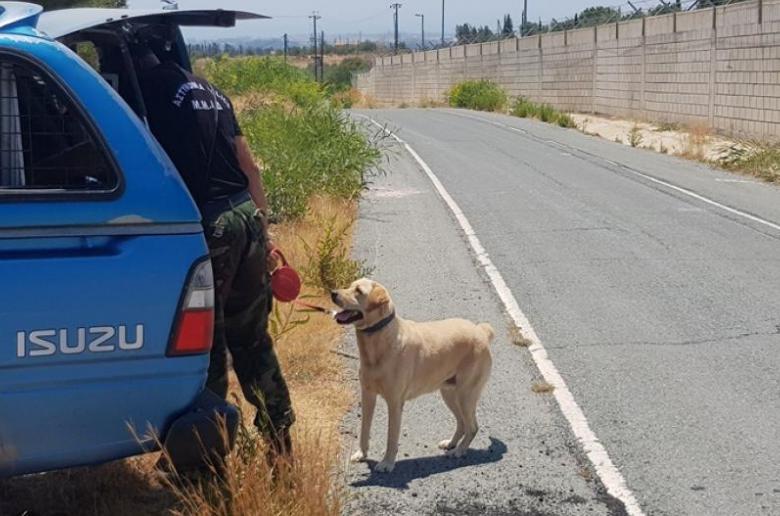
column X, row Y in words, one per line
column 65, row 22
column 110, row 31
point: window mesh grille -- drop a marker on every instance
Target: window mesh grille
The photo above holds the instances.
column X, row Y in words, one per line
column 44, row 142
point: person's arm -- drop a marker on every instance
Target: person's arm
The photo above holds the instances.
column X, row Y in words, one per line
column 253, row 173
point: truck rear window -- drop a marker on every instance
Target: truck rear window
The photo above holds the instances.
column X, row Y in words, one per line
column 45, row 143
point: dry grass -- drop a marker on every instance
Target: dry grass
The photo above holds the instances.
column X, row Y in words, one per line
column 366, row 102
column 518, row 339
column 696, row 139
column 585, row 474
column 258, row 100
column 431, row 103
column 321, row 396
column 542, row 387
column 348, row 98
column 754, row 158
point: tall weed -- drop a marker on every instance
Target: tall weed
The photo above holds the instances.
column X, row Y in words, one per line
column 306, row 143
column 525, row 108
column 308, row 150
column 242, row 75
column 330, row 265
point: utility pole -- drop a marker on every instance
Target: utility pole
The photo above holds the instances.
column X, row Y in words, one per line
column 422, row 21
column 395, row 6
column 286, row 47
column 524, row 21
column 322, row 57
column 315, row 16
column 442, row 22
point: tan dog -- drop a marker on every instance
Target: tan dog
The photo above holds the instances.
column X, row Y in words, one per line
column 401, row 360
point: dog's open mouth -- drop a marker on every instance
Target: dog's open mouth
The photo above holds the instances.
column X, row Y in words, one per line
column 348, row 316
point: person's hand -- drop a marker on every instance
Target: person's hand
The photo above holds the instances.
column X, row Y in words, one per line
column 271, row 259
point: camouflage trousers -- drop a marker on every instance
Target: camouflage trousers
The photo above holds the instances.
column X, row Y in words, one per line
column 242, row 306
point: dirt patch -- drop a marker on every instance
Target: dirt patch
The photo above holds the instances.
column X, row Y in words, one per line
column 694, row 142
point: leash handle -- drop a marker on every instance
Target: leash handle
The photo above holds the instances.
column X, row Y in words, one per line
column 277, row 253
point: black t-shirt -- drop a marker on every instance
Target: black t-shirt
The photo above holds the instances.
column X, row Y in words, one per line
column 196, row 125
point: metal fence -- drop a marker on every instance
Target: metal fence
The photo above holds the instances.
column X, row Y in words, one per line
column 590, row 17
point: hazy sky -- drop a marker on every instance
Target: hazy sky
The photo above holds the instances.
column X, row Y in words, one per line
column 375, row 16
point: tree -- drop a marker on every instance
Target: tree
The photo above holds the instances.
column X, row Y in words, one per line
column 465, row 34
column 509, row 26
column 598, row 16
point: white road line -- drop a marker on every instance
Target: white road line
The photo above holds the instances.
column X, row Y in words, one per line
column 679, row 189
column 737, row 181
column 609, row 474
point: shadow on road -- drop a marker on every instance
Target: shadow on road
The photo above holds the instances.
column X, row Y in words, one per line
column 411, row 469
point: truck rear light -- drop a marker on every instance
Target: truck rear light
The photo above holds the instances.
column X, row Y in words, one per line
column 194, row 332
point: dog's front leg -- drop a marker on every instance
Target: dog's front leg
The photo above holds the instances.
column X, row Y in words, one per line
column 394, row 410
column 367, row 404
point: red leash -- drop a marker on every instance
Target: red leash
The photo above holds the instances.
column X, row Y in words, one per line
column 314, row 307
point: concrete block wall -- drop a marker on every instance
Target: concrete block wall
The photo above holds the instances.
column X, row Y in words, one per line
column 717, row 67
column 618, row 89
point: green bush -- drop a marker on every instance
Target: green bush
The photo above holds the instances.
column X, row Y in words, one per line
column 242, row 75
column 338, row 77
column 525, row 108
column 307, row 145
column 547, row 113
column 308, row 150
column 480, row 95
column 565, row 120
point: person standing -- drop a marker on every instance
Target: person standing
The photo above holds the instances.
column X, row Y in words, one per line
column 196, row 125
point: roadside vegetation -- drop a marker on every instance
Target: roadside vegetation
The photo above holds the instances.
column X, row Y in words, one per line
column 752, row 157
column 317, row 161
column 525, row 108
column 695, row 142
column 484, row 95
column 480, row 95
column 306, row 142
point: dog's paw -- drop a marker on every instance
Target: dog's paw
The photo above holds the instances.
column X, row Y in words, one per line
column 457, row 453
column 385, row 466
column 446, row 444
column 358, row 456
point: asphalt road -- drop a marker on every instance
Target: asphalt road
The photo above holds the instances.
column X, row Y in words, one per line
column 652, row 282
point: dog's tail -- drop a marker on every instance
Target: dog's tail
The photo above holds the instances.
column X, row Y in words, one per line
column 485, row 327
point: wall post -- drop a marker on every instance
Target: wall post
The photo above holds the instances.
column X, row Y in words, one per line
column 713, row 66
column 595, row 70
column 642, row 79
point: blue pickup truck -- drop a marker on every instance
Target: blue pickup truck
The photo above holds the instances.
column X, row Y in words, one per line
column 106, row 294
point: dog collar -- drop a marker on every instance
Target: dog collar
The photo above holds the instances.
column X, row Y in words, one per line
column 381, row 325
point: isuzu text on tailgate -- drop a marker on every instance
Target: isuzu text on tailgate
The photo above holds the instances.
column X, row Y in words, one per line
column 98, row 339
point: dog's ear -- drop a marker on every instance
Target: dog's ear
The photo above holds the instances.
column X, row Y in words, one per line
column 377, row 298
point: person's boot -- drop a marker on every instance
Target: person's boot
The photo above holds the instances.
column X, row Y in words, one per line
column 280, row 444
